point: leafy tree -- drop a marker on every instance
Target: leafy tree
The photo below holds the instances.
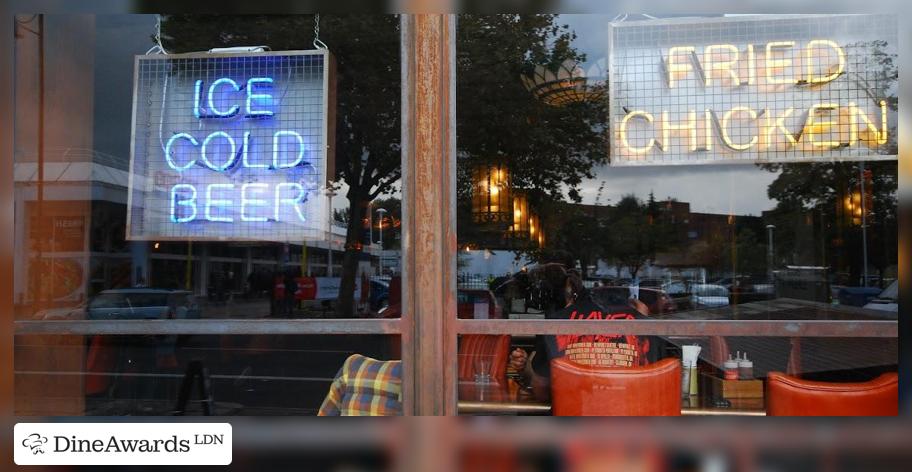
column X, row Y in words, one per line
column 548, row 150
column 629, row 248
column 635, row 232
column 811, row 228
column 578, row 238
column 741, row 251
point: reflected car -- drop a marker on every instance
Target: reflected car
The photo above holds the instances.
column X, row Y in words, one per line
column 657, row 300
column 61, row 314
column 143, row 304
column 709, row 296
column 652, row 283
column 888, row 300
column 477, row 304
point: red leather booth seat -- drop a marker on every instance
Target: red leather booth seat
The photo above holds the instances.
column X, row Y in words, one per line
column 789, row 396
column 580, row 390
column 475, row 346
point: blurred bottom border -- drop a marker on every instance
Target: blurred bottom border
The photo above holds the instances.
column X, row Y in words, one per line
column 543, row 444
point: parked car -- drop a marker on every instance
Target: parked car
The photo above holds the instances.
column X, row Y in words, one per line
column 887, row 300
column 143, row 304
column 858, row 296
column 652, row 283
column 679, row 291
column 709, row 295
column 63, row 313
column 749, row 288
column 477, row 304
column 657, row 300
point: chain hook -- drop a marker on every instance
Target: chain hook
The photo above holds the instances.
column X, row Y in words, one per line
column 316, row 42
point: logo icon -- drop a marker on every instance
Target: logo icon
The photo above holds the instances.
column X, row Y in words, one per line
column 35, row 442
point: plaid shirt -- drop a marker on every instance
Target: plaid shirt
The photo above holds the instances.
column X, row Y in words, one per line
column 365, row 387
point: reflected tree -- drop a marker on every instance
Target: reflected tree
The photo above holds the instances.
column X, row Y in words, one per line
column 548, row 150
column 813, row 226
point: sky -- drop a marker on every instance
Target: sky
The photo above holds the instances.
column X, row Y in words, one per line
column 117, row 39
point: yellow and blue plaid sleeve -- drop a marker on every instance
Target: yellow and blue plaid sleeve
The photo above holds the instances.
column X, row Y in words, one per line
column 333, row 402
column 365, row 387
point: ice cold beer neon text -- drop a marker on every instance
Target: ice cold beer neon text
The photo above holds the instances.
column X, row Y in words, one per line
column 223, row 152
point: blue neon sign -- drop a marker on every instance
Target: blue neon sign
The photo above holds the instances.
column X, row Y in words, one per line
column 236, row 155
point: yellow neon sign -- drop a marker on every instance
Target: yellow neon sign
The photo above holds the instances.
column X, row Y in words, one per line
column 690, row 126
column 713, row 64
column 847, row 121
column 623, row 132
column 676, row 69
column 774, row 66
column 725, row 136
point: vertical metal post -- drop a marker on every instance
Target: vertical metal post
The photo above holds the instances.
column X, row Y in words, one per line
column 40, row 184
column 188, row 269
column 429, row 214
column 329, row 240
column 864, row 227
column 770, row 254
column 382, row 212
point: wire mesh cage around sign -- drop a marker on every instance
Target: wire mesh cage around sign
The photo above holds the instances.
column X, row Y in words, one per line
column 760, row 89
column 230, row 147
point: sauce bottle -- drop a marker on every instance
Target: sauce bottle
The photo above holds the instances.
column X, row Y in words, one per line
column 745, row 368
column 730, row 369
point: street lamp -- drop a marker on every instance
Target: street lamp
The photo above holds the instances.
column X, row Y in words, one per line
column 330, row 192
column 382, row 212
column 492, row 203
column 769, row 251
column 567, row 84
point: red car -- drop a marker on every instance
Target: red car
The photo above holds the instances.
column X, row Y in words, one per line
column 657, row 300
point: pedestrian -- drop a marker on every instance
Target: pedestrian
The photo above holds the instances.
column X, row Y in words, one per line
column 291, row 289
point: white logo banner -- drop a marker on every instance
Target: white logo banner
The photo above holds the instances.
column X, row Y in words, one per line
column 122, row 443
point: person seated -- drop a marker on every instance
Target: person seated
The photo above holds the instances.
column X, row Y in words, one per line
column 565, row 298
column 365, row 387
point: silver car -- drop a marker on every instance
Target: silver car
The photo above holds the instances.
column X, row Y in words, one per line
column 143, row 304
column 709, row 296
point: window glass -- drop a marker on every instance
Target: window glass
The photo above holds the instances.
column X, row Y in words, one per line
column 538, row 183
column 202, row 167
column 250, row 375
column 299, row 155
column 704, row 168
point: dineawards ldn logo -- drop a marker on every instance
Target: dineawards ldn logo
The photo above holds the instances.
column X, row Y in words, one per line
column 122, row 443
column 35, row 442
